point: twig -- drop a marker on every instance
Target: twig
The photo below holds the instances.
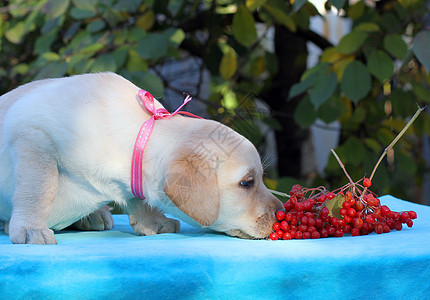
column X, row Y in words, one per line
column 279, row 193
column 342, row 166
column 420, row 109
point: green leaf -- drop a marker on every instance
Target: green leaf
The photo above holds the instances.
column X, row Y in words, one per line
column 254, row 4
column 149, row 82
column 338, row 3
column 228, row 64
column 367, row 27
column 56, row 8
column 53, row 70
column 96, row 25
column 277, row 12
column 403, row 103
column 421, row 91
column 356, row 81
column 334, row 205
column 302, row 86
column 323, row 89
column 81, row 14
column 127, row 5
column 380, row 65
column 104, row 63
column 16, row 33
column 308, row 79
column 351, row 42
column 243, row 26
column 86, row 4
column 405, row 162
column 174, row 6
column 373, row 145
column 421, row 46
column 331, row 110
column 396, row 46
column 120, row 55
column 353, row 151
column 305, row 115
column 298, row 4
column 152, row 46
column 175, row 36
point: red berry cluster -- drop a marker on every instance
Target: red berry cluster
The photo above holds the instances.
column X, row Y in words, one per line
column 308, row 214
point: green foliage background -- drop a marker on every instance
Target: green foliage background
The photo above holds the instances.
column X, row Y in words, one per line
column 371, row 81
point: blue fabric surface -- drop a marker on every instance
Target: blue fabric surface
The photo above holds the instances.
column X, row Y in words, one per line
column 198, row 264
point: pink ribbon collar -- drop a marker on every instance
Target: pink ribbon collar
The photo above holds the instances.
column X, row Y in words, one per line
column 142, row 138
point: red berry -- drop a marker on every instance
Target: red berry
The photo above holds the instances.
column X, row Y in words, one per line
column 379, row 228
column 288, row 217
column 315, row 235
column 404, row 216
column 285, row 226
column 319, row 223
column 286, row 236
column 304, row 220
column 331, row 230
column 347, row 219
column 324, row 211
column 288, row 205
column 370, row 219
column 409, row 223
column 321, row 198
column 385, row 210
column 387, row 228
column 338, row 233
column 412, row 214
column 303, row 228
column 323, row 233
column 351, row 212
column 299, row 235
column 311, row 222
column 358, row 223
column 346, row 205
column 279, row 233
column 355, row 232
column 293, row 200
column 346, row 228
column 343, row 211
column 312, row 229
column 372, row 201
column 398, row 226
column 306, row 235
column 273, row 236
column 280, row 215
column 358, row 206
column 366, row 182
column 330, row 195
column 276, row 226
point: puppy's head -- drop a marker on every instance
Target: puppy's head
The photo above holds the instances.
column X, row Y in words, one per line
column 217, row 180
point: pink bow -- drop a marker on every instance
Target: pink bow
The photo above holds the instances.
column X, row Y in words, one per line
column 143, row 136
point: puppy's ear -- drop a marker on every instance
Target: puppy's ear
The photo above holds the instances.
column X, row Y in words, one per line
column 192, row 185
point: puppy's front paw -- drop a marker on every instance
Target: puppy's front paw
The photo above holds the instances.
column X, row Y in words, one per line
column 99, row 220
column 26, row 235
column 155, row 225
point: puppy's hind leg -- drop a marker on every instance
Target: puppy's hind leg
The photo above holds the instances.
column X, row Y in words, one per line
column 36, row 184
column 99, row 220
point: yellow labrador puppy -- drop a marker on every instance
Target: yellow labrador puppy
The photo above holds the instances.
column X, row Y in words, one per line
column 65, row 152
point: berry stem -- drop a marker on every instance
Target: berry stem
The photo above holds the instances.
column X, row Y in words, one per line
column 390, row 146
column 279, row 193
column 342, row 166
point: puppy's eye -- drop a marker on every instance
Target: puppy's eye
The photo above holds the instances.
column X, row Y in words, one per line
column 247, row 183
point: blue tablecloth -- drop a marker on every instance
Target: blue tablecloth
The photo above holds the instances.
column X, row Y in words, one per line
column 199, row 264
